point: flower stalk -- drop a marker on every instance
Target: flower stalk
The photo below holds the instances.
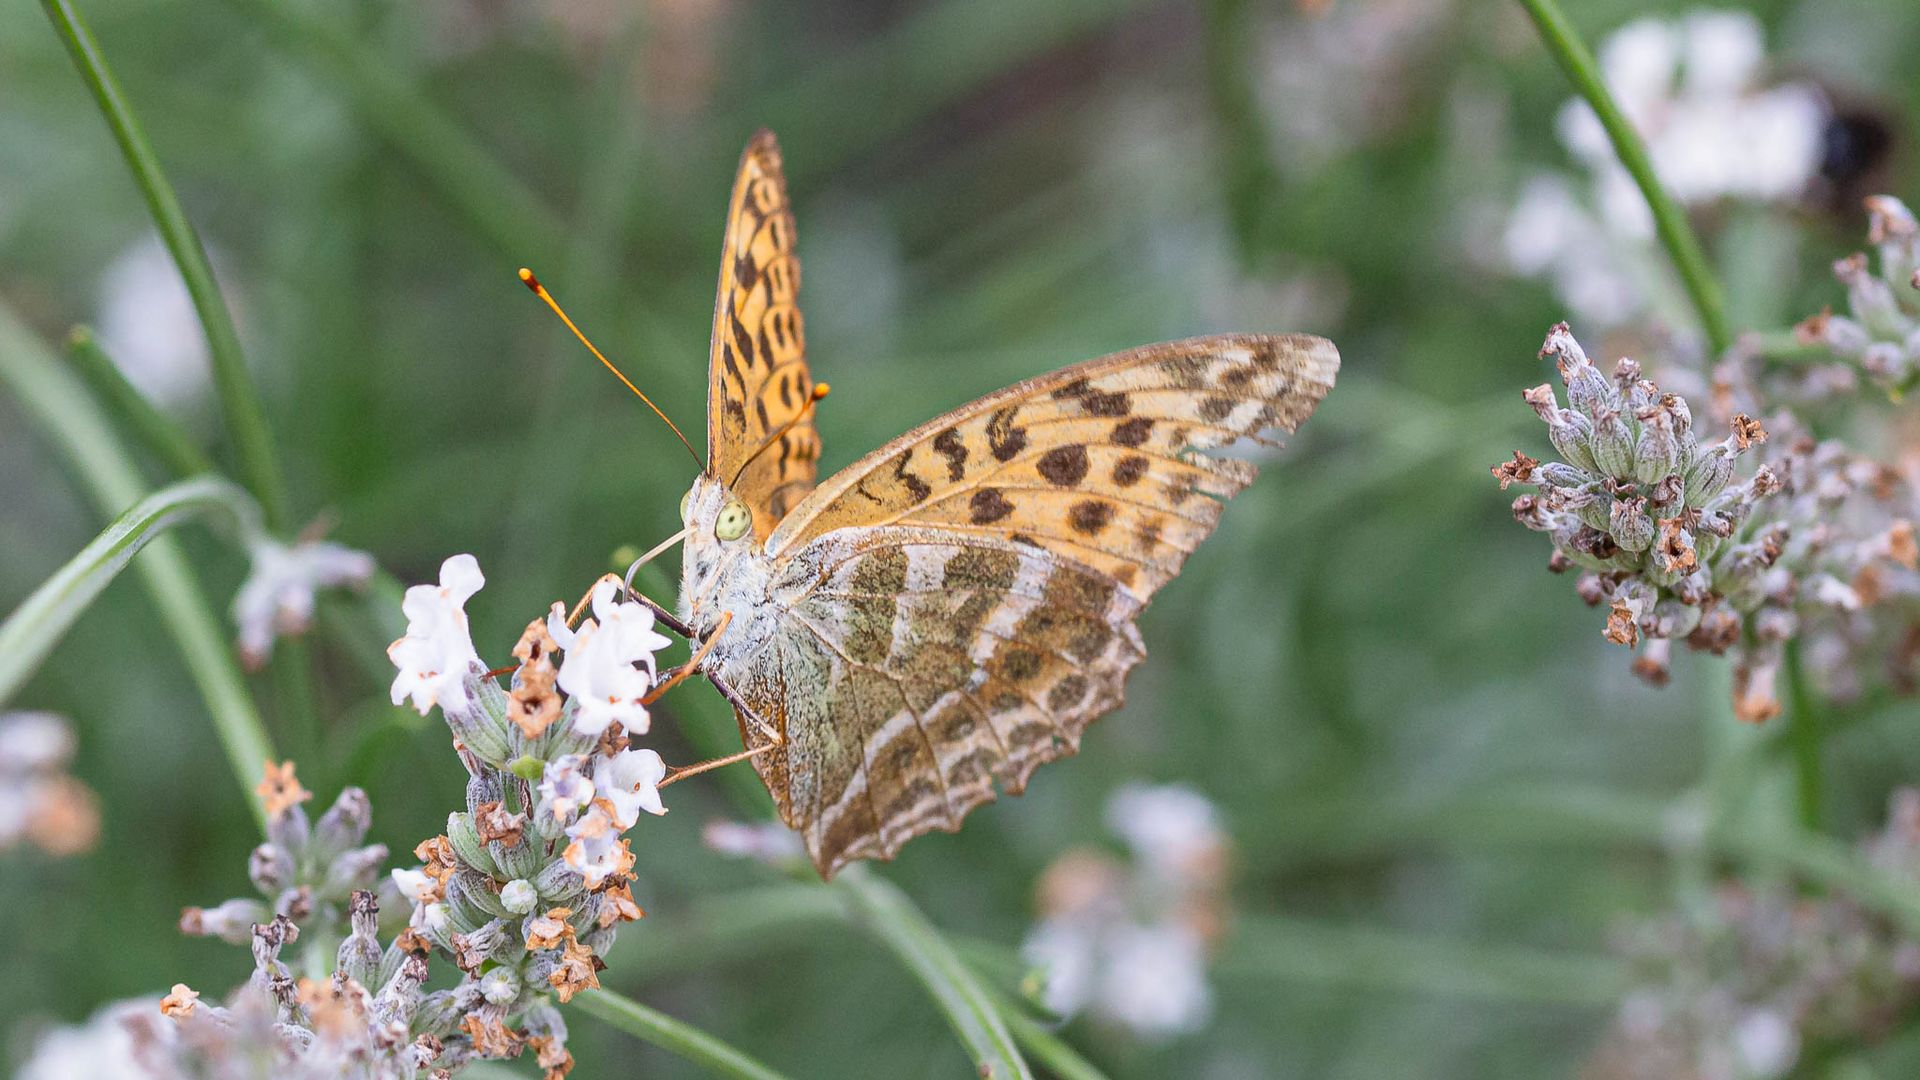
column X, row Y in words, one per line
column 1670, row 222
column 239, row 400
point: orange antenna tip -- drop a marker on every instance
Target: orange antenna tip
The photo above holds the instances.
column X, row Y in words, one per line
column 820, row 390
column 546, row 297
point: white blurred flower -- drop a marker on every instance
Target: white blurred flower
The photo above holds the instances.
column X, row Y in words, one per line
column 1767, row 1044
column 40, row 804
column 599, row 673
column 34, row 742
column 629, row 782
column 437, row 653
column 1171, row 828
column 145, row 321
column 107, row 1047
column 1128, row 944
column 278, row 595
column 1065, row 950
column 1155, row 980
column 1691, row 89
column 1551, row 233
column 766, row 842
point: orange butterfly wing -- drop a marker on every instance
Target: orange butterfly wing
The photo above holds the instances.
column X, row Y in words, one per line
column 1101, row 462
column 757, row 378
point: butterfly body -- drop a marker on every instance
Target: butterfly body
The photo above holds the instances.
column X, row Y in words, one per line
column 951, row 611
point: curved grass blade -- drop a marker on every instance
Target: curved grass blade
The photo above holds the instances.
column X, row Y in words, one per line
column 653, row 1026
column 36, row 626
column 55, row 398
column 967, row 1003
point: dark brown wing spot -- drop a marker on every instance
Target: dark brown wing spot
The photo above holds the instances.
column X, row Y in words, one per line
column 1019, row 663
column 950, row 446
column 1148, row 535
column 917, row 488
column 1128, row 470
column 1005, row 440
column 1095, row 402
column 989, row 506
column 1064, row 465
column 1133, row 432
column 1215, row 409
column 1066, row 693
column 1089, row 516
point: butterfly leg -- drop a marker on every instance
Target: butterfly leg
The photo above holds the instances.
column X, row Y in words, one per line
column 676, row 775
column 744, row 709
column 677, row 675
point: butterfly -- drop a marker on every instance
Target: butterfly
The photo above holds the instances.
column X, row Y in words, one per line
column 952, row 610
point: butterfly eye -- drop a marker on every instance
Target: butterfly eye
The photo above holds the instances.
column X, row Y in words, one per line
column 686, row 503
column 733, row 520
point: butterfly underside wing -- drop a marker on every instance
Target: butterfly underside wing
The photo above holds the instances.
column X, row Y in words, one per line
column 757, row 376
column 951, row 611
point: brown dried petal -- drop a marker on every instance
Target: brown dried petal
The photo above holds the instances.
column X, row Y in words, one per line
column 496, row 823
column 1622, row 627
column 279, row 790
column 533, row 704
column 1517, row 471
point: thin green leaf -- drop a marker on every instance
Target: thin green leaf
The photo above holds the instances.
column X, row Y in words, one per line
column 37, row 625
column 239, row 401
column 969, row 1006
column 152, row 427
column 679, row 1037
column 55, row 398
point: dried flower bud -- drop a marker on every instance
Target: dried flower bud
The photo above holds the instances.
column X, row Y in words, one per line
column 1630, row 526
column 1612, row 444
column 1587, row 389
column 1517, row 471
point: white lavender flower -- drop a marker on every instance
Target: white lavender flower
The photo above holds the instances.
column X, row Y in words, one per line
column 40, row 804
column 437, row 656
column 1128, row 943
column 277, row 598
column 609, row 665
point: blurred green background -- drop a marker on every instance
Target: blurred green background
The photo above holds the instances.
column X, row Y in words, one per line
column 1360, row 668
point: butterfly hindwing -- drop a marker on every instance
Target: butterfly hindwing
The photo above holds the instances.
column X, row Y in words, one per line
column 935, row 665
column 757, row 378
column 1100, row 462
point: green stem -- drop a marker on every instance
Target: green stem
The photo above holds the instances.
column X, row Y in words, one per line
column 36, row 626
column 653, row 1026
column 1805, row 731
column 968, row 1005
column 1576, row 60
column 55, row 398
column 246, row 420
column 1048, row 1049
column 151, row 426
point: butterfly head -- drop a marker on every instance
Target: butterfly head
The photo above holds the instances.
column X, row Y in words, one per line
column 714, row 515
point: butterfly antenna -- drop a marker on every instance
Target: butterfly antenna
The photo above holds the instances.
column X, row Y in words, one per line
column 539, row 290
column 819, row 391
